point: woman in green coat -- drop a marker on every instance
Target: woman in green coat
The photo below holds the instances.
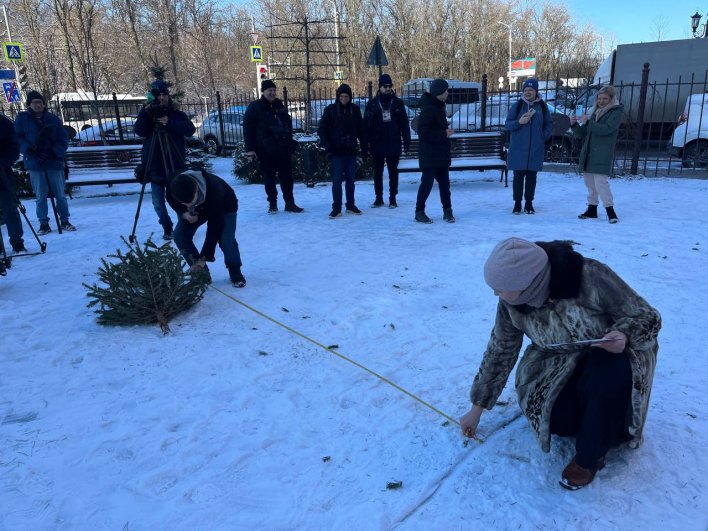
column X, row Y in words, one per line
column 599, row 134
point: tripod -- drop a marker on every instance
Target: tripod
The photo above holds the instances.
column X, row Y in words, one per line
column 5, row 261
column 9, row 201
column 162, row 141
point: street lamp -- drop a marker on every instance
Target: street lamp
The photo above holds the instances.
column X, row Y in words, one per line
column 509, row 66
column 695, row 21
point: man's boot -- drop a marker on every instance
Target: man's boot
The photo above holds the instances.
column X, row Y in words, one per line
column 421, row 217
column 392, row 202
column 378, row 202
column 167, row 232
column 517, row 208
column 290, row 206
column 272, row 207
column 528, row 207
column 44, row 228
column 237, row 278
column 447, row 215
column 18, row 246
column 590, row 213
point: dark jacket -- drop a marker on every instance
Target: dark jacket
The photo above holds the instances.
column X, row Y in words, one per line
column 341, row 126
column 9, row 146
column 599, row 139
column 528, row 141
column 43, row 141
column 433, row 142
column 587, row 300
column 219, row 200
column 178, row 128
column 385, row 138
column 268, row 129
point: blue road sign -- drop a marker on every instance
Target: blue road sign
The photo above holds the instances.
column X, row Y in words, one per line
column 7, row 73
column 12, row 92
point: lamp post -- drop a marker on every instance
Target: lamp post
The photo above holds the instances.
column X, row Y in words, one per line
column 336, row 31
column 695, row 22
column 508, row 73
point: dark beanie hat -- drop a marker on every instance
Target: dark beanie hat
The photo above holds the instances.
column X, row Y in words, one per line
column 531, row 82
column 385, row 79
column 183, row 188
column 438, row 86
column 344, row 89
column 34, row 95
column 266, row 84
column 160, row 86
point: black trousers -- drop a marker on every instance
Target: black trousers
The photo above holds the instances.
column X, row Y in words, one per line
column 430, row 175
column 283, row 167
column 592, row 407
column 524, row 184
column 392, row 164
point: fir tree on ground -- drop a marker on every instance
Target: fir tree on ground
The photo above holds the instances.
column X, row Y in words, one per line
column 149, row 284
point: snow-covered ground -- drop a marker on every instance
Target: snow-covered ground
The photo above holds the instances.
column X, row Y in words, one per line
column 233, row 422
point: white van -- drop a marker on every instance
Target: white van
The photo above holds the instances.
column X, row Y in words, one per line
column 689, row 141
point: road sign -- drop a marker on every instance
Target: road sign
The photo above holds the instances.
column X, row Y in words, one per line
column 256, row 54
column 12, row 93
column 7, row 73
column 338, row 75
column 14, row 51
column 377, row 56
column 254, row 37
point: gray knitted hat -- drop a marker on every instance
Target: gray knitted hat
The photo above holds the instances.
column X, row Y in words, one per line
column 519, row 265
column 438, row 86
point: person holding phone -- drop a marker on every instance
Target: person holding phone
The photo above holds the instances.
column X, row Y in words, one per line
column 599, row 135
column 597, row 393
column 530, row 126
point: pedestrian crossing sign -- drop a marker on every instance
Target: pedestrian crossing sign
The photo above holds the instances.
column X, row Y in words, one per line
column 256, row 54
column 338, row 75
column 14, row 51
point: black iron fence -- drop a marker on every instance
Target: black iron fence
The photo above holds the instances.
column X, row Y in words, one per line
column 665, row 130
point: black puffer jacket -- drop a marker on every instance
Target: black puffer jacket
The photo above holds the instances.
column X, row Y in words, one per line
column 219, row 200
column 433, row 143
column 385, row 137
column 268, row 129
column 341, row 126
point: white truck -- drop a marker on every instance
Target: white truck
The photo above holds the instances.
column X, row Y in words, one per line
column 689, row 141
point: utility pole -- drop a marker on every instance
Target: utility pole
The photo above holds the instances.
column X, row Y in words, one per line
column 508, row 74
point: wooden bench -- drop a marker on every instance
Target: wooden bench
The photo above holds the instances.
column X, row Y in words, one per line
column 102, row 164
column 470, row 151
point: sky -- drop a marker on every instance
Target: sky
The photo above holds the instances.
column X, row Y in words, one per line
column 637, row 22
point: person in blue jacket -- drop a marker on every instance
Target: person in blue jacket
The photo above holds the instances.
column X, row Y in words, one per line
column 530, row 125
column 169, row 152
column 43, row 143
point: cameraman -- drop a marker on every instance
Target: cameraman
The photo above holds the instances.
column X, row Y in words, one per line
column 9, row 153
column 164, row 129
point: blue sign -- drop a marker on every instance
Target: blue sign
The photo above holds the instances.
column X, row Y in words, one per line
column 12, row 92
column 7, row 73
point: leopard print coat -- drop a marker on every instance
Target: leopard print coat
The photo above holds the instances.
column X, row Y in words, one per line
column 587, row 300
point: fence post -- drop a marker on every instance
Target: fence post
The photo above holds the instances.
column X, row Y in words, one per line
column 221, row 117
column 285, row 97
column 483, row 104
column 120, row 127
column 640, row 120
column 370, row 89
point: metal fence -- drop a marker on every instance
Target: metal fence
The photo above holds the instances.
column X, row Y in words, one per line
column 665, row 130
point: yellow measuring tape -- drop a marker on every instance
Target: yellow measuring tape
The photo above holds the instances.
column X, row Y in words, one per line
column 345, row 358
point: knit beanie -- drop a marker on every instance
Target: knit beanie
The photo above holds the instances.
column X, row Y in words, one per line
column 385, row 79
column 183, row 187
column 530, row 82
column 344, row 89
column 438, row 86
column 266, row 84
column 519, row 265
column 160, row 86
column 34, row 95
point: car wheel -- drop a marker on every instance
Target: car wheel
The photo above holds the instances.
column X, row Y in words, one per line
column 558, row 150
column 211, row 146
column 695, row 155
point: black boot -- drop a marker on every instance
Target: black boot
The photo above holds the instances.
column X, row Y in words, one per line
column 422, row 217
column 44, row 228
column 392, row 202
column 290, row 206
column 447, row 215
column 18, row 246
column 378, row 202
column 590, row 213
column 517, row 207
column 611, row 216
column 272, row 207
column 166, row 232
column 237, row 278
column 528, row 207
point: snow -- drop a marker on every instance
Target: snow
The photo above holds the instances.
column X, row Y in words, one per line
column 235, row 422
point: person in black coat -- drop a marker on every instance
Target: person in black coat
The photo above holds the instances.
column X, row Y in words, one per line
column 340, row 127
column 387, row 128
column 268, row 135
column 434, row 151
column 199, row 197
column 9, row 153
column 162, row 154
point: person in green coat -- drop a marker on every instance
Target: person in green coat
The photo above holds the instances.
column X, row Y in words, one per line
column 599, row 135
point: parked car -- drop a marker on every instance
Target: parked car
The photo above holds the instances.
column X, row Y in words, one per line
column 210, row 130
column 91, row 136
column 689, row 141
column 560, row 148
